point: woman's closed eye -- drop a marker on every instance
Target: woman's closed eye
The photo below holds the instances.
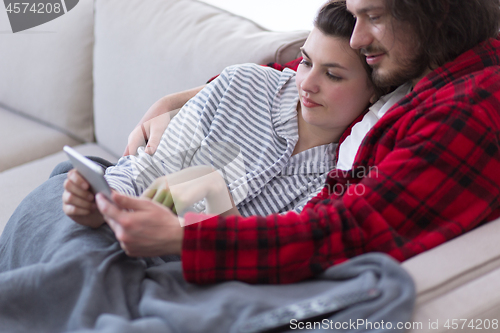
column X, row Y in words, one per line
column 333, row 77
column 305, row 62
column 330, row 76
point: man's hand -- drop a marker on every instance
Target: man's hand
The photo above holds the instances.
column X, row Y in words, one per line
column 144, row 228
column 78, row 201
column 152, row 125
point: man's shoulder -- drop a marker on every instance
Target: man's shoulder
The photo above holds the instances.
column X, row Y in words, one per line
column 470, row 94
column 473, row 77
column 471, row 101
column 474, row 74
column 478, row 87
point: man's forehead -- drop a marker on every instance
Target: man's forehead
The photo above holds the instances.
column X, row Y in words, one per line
column 361, row 6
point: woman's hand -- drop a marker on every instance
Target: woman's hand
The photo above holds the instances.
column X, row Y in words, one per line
column 182, row 189
column 78, row 201
column 152, row 125
column 143, row 228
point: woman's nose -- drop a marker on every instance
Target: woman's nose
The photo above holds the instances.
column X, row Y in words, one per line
column 309, row 84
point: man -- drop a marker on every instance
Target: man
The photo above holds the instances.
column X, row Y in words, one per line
column 425, row 173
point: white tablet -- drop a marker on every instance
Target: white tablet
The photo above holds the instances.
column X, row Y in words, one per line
column 91, row 171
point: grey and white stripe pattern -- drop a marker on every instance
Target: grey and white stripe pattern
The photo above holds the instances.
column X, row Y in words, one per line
column 245, row 125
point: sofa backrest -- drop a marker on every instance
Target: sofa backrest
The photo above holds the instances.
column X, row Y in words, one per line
column 145, row 49
column 97, row 69
column 46, row 72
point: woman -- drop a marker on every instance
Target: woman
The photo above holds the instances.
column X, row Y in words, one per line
column 273, row 135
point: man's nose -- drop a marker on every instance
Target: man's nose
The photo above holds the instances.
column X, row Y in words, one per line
column 360, row 37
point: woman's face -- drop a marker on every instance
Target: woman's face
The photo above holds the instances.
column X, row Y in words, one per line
column 333, row 84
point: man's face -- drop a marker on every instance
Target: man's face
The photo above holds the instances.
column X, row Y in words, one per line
column 389, row 45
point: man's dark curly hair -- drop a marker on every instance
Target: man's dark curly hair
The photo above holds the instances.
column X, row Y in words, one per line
column 447, row 28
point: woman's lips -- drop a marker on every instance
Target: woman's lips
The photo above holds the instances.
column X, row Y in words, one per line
column 309, row 103
column 374, row 58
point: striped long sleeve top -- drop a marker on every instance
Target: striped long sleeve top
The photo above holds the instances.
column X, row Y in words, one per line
column 244, row 124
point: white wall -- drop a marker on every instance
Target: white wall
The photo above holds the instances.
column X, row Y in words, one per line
column 276, row 15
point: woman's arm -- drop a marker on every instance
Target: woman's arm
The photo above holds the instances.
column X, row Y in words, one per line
column 152, row 125
column 133, row 174
column 149, row 129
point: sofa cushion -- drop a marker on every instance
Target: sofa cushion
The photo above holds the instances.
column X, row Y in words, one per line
column 459, row 279
column 18, row 182
column 27, row 140
column 147, row 49
column 46, row 71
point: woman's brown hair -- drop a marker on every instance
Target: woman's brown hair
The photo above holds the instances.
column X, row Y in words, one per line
column 333, row 19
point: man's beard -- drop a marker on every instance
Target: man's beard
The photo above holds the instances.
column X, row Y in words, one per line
column 406, row 70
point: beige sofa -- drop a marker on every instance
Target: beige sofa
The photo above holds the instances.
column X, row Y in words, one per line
column 86, row 78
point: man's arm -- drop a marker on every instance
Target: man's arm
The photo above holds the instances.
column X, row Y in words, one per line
column 152, row 125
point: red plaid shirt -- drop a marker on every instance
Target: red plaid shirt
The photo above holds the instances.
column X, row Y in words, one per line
column 427, row 172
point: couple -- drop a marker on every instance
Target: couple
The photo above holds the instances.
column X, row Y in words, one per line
column 433, row 140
